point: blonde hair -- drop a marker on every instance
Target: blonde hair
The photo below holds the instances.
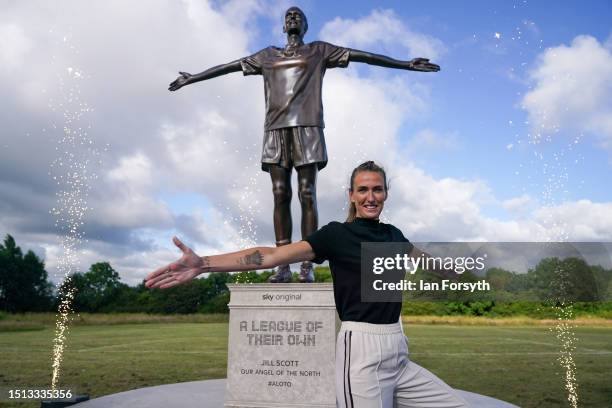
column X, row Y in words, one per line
column 366, row 166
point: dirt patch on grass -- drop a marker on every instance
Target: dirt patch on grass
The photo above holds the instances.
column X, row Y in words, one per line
column 503, row 321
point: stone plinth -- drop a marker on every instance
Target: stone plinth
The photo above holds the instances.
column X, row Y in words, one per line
column 281, row 347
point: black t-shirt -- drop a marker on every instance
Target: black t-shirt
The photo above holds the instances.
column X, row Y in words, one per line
column 340, row 243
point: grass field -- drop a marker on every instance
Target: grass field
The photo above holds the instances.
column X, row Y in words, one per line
column 517, row 363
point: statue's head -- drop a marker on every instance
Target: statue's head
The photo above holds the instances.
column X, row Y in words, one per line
column 295, row 22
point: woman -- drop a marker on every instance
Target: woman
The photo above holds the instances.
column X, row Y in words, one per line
column 372, row 366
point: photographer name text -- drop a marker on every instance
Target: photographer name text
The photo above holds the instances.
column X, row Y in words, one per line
column 421, row 285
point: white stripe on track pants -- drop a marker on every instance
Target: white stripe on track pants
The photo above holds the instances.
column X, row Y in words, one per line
column 373, row 371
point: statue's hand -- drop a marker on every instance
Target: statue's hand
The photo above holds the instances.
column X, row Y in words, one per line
column 180, row 81
column 183, row 270
column 423, row 64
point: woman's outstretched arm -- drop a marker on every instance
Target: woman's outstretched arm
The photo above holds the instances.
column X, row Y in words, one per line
column 190, row 265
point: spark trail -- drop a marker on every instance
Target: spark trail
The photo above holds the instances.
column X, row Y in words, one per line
column 72, row 173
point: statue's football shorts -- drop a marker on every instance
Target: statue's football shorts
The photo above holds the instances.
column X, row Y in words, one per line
column 294, row 147
column 373, row 371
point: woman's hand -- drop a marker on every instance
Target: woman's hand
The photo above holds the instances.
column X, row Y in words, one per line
column 185, row 269
column 180, row 81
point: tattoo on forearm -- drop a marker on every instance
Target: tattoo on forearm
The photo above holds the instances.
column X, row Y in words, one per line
column 256, row 258
column 206, row 264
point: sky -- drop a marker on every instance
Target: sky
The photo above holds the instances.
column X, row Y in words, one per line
column 510, row 141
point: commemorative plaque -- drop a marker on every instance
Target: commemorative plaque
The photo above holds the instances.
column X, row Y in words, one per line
column 281, row 349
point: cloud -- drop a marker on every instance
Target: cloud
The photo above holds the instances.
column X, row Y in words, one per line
column 430, row 209
column 131, row 203
column 517, row 204
column 14, row 45
column 381, row 26
column 572, row 90
column 124, row 72
column 204, row 141
column 582, row 220
column 134, row 171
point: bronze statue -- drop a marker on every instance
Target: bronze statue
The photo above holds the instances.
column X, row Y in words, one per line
column 293, row 130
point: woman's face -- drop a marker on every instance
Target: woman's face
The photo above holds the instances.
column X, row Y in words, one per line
column 368, row 194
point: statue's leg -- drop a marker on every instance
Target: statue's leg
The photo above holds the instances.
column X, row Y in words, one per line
column 307, row 193
column 281, row 189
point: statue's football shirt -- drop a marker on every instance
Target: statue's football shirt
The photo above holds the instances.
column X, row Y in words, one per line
column 292, row 83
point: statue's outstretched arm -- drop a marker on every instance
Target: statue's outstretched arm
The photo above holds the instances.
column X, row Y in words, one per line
column 416, row 64
column 186, row 78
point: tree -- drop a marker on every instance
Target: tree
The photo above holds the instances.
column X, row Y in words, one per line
column 567, row 280
column 97, row 288
column 498, row 278
column 23, row 280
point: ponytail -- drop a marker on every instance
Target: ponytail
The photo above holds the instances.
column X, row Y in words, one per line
column 352, row 212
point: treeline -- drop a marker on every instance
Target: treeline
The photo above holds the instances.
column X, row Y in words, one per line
column 539, row 293
column 24, row 287
column 23, row 280
column 99, row 290
column 551, row 280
